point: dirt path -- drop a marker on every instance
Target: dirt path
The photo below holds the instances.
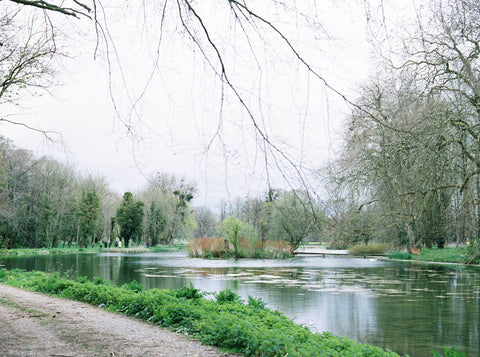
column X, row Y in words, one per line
column 34, row 324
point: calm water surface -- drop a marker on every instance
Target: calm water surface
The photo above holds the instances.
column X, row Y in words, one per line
column 409, row 308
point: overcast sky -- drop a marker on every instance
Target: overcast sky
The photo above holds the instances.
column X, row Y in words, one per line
column 180, row 112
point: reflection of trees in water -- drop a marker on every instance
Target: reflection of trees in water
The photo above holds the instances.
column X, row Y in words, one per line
column 436, row 309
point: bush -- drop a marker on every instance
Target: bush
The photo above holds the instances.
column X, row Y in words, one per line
column 227, row 296
column 472, row 255
column 188, row 292
column 256, row 303
column 371, row 249
column 134, row 286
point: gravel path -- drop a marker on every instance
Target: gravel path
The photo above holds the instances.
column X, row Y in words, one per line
column 34, row 324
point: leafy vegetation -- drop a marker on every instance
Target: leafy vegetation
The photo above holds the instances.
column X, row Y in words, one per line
column 228, row 322
column 370, row 249
column 129, row 217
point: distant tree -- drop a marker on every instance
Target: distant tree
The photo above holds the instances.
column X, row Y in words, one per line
column 130, row 219
column 88, row 212
column 206, row 222
column 294, row 219
column 156, row 223
column 169, row 215
column 230, row 230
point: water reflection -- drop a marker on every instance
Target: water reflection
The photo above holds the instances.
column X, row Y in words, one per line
column 411, row 309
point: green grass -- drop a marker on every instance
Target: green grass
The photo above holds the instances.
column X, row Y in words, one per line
column 176, row 247
column 40, row 251
column 444, row 255
column 452, row 255
column 400, row 255
column 223, row 320
column 89, row 249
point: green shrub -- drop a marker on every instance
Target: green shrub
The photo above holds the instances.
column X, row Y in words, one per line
column 256, row 303
column 189, row 292
column 226, row 296
column 134, row 286
column 371, row 249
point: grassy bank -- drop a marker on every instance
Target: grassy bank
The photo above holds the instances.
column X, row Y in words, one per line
column 444, row 255
column 96, row 249
column 223, row 321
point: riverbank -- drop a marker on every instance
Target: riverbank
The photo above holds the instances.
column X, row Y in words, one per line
column 87, row 250
column 34, row 324
column 447, row 255
column 223, row 321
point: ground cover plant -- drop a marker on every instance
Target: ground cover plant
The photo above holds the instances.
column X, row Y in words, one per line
column 221, row 320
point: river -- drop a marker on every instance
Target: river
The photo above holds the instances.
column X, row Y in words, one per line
column 409, row 308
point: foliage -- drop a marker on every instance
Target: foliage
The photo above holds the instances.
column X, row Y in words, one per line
column 226, row 296
column 169, row 215
column 249, row 329
column 130, row 219
column 134, row 286
column 370, row 249
column 411, row 142
column 231, row 232
column 45, row 203
column 256, row 303
column 294, row 218
column 88, row 213
column 156, row 223
column 188, row 292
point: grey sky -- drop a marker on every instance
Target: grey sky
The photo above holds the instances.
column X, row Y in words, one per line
column 181, row 109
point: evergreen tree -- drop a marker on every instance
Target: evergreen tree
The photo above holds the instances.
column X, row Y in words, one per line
column 88, row 212
column 130, row 219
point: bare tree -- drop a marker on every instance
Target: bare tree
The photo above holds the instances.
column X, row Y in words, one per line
column 26, row 56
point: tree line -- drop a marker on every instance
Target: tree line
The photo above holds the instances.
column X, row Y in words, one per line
column 45, row 203
column 409, row 169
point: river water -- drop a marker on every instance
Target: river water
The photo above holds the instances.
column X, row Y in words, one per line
column 406, row 307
